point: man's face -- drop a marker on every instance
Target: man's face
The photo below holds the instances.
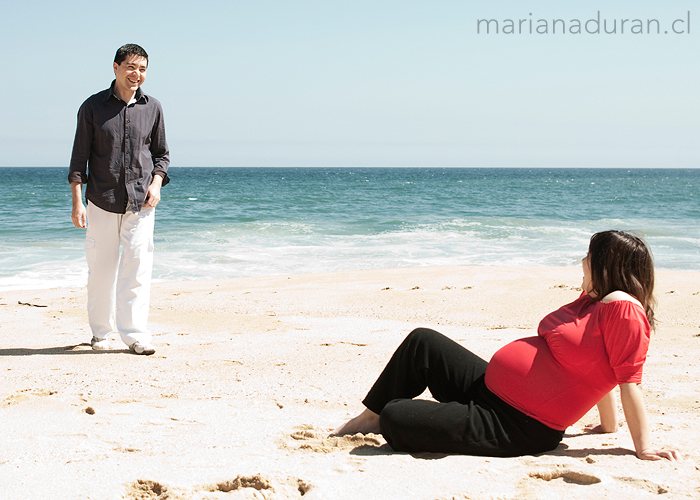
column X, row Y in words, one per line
column 131, row 73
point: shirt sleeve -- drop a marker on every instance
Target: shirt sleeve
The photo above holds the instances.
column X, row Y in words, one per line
column 159, row 148
column 626, row 333
column 81, row 146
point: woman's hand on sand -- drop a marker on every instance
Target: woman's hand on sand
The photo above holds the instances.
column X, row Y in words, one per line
column 644, row 454
column 598, row 429
column 672, row 455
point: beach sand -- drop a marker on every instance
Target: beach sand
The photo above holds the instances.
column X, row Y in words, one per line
column 251, row 374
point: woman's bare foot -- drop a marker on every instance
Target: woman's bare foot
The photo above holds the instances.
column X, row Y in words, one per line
column 365, row 423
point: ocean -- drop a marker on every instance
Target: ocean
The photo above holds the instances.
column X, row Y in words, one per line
column 237, row 222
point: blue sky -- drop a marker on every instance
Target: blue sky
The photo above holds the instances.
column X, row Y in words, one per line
column 363, row 83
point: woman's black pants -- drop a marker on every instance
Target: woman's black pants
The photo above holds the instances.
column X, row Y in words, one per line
column 467, row 419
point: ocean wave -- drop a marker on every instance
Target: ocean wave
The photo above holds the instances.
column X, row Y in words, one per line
column 226, row 223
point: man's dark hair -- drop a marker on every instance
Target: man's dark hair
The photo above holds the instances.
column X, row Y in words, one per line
column 130, row 49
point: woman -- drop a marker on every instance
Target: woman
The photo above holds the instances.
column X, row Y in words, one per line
column 522, row 401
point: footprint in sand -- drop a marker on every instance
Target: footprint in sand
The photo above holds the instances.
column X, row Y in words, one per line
column 643, row 484
column 242, row 487
column 308, row 438
column 25, row 395
column 570, row 476
column 567, row 475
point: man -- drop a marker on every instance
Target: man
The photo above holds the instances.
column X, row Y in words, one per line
column 121, row 154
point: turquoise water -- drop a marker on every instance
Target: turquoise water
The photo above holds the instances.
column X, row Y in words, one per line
column 234, row 222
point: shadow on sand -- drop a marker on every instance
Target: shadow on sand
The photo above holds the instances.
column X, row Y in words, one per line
column 83, row 349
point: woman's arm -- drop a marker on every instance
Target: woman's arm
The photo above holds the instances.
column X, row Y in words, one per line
column 607, row 410
column 636, row 416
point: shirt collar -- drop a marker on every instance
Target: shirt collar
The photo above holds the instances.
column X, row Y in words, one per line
column 138, row 96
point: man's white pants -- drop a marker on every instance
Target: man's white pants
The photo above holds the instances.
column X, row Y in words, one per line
column 121, row 285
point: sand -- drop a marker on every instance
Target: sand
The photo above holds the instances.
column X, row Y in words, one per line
column 251, row 374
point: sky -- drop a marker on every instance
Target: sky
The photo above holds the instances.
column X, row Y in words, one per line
column 366, row 82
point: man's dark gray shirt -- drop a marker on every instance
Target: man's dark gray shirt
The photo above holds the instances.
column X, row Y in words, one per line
column 118, row 148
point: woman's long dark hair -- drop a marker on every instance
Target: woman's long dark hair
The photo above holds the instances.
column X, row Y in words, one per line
column 622, row 261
